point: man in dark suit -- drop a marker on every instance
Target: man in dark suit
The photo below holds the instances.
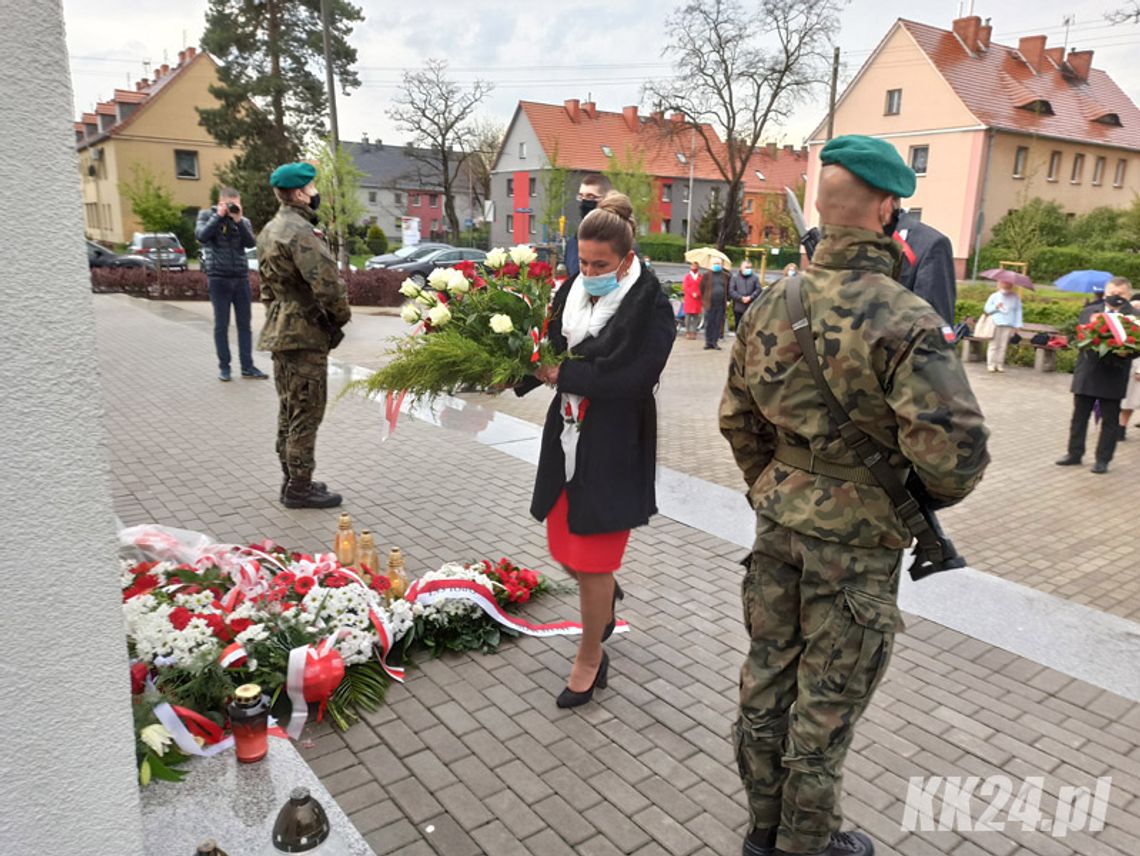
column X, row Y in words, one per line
column 1102, row 380
column 592, row 190
column 928, row 265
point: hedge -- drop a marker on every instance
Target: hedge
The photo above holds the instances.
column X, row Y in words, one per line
column 1050, row 263
column 365, row 288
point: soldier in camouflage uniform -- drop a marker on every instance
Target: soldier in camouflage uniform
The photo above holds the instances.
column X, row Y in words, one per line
column 305, row 302
column 820, row 590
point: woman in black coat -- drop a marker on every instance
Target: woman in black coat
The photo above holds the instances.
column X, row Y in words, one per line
column 597, row 466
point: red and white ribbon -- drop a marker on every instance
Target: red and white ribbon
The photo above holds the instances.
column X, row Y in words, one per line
column 233, row 656
column 428, row 593
column 1115, row 326
column 174, row 719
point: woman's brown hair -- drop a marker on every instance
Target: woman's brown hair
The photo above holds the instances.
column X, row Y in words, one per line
column 612, row 221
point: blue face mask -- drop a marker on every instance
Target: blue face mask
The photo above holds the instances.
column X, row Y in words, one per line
column 716, row 268
column 601, row 285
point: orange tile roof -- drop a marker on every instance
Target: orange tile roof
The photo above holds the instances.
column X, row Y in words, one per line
column 106, row 108
column 785, row 169
column 129, row 96
column 994, row 85
column 579, row 144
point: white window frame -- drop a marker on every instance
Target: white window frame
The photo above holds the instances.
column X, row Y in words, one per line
column 522, row 149
column 894, row 99
column 1056, row 158
column 1077, row 173
column 1021, row 154
column 914, row 150
column 1098, row 170
column 1121, row 171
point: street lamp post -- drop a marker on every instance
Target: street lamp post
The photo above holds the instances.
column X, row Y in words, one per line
column 689, row 209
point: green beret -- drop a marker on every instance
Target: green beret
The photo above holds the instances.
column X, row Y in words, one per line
column 291, row 175
column 875, row 161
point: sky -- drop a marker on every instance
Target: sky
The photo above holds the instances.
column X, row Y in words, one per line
column 548, row 51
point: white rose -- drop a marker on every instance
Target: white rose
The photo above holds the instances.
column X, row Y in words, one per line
column 426, row 298
column 437, row 279
column 410, row 289
column 410, row 313
column 457, row 283
column 439, row 316
column 496, row 258
column 522, row 255
column 501, row 323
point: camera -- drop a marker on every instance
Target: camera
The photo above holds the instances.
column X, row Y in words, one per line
column 233, row 209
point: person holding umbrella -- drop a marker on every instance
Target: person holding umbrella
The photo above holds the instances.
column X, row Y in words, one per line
column 1099, row 381
column 714, row 291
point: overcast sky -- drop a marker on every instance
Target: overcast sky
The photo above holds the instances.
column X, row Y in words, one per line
column 545, row 51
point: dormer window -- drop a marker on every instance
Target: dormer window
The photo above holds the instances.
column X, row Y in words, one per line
column 760, row 175
column 681, row 158
column 607, row 151
column 1110, row 119
column 1040, row 106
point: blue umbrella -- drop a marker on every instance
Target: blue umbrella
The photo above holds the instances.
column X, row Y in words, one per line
column 1084, row 281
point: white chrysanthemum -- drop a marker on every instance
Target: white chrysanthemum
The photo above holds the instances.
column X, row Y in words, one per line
column 253, row 633
column 401, row 616
column 194, row 602
column 439, row 315
column 522, row 255
column 438, row 278
column 456, row 282
column 410, row 288
column 496, row 258
column 501, row 323
column 411, row 313
column 355, row 646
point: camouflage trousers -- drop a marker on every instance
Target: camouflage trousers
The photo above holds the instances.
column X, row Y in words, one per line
column 822, row 619
column 302, row 388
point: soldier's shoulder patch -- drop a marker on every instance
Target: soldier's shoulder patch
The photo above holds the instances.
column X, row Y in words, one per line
column 948, row 335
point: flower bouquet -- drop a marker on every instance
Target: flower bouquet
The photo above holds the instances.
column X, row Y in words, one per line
column 475, row 331
column 1110, row 333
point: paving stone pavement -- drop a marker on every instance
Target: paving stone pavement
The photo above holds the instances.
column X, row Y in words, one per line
column 471, row 756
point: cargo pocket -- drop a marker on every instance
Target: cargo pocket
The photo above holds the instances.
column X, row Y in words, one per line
column 866, row 647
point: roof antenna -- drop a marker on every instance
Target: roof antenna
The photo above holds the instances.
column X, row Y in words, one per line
column 959, row 15
column 1068, row 21
column 970, row 14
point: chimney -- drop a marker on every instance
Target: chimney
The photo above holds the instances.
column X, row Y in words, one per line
column 1032, row 50
column 985, row 33
column 678, row 120
column 1080, row 62
column 191, row 53
column 630, row 114
column 590, row 109
column 181, row 58
column 572, row 109
column 967, row 29
column 773, row 150
column 790, row 150
column 1057, row 55
column 658, row 117
column 165, row 70
column 364, row 139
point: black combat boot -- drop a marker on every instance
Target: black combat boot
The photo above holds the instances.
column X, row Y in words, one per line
column 303, row 493
column 1070, row 460
column 847, row 844
column 760, row 842
column 321, row 486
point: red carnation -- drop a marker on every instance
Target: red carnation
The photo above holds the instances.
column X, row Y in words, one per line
column 381, row 584
column 284, row 579
column 303, row 585
column 142, row 584
column 523, row 596
column 529, row 578
column 217, row 626
column 180, row 617
column 335, row 580
column 240, row 625
column 510, row 269
column 139, row 671
column 143, row 567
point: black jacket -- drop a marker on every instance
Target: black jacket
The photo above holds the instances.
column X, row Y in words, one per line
column 613, row 485
column 931, row 277
column 740, row 287
column 1101, row 377
column 224, row 243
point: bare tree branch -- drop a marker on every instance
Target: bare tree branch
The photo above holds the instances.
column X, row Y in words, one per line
column 741, row 73
column 1129, row 14
column 439, row 116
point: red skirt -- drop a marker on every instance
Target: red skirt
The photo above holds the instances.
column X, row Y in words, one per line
column 587, row 554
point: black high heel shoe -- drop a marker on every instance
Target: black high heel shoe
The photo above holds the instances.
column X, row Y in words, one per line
column 618, row 595
column 569, row 698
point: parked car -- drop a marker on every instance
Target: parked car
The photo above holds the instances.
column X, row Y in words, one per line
column 162, row 247
column 408, row 253
column 418, row 270
column 99, row 256
column 251, row 260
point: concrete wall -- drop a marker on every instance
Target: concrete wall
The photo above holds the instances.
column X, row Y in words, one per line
column 68, row 781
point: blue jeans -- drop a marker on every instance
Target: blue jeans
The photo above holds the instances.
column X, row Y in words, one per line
column 224, row 292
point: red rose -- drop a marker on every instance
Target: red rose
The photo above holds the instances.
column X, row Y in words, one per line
column 467, row 268
column 303, row 585
column 538, row 270
column 180, row 617
column 284, row 579
column 529, row 578
column 510, row 269
column 239, row 625
column 139, row 671
column 523, row 596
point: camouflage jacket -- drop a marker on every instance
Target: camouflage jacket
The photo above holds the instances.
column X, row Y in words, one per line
column 889, row 360
column 298, row 274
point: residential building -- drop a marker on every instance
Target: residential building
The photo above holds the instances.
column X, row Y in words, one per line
column 399, row 183
column 154, row 126
column 578, row 137
column 988, row 127
column 771, row 170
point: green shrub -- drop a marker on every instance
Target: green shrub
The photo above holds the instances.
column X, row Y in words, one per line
column 377, row 241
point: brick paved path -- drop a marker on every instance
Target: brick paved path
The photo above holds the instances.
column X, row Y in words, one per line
column 471, row 756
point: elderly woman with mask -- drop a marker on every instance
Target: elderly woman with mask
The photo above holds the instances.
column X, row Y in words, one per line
column 598, row 459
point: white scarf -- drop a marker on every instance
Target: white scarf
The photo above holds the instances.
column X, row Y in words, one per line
column 581, row 319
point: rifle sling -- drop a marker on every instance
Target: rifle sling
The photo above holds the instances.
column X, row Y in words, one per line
column 868, row 451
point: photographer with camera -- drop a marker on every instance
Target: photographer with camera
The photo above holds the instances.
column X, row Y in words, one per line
column 843, row 388
column 225, row 235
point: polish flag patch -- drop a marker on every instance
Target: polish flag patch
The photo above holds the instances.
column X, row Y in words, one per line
column 948, row 335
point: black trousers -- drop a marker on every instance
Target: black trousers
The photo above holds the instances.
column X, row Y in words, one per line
column 714, row 324
column 1109, row 426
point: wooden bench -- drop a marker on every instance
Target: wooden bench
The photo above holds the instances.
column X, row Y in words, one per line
column 1044, row 358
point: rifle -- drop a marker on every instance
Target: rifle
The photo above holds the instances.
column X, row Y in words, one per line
column 933, row 552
